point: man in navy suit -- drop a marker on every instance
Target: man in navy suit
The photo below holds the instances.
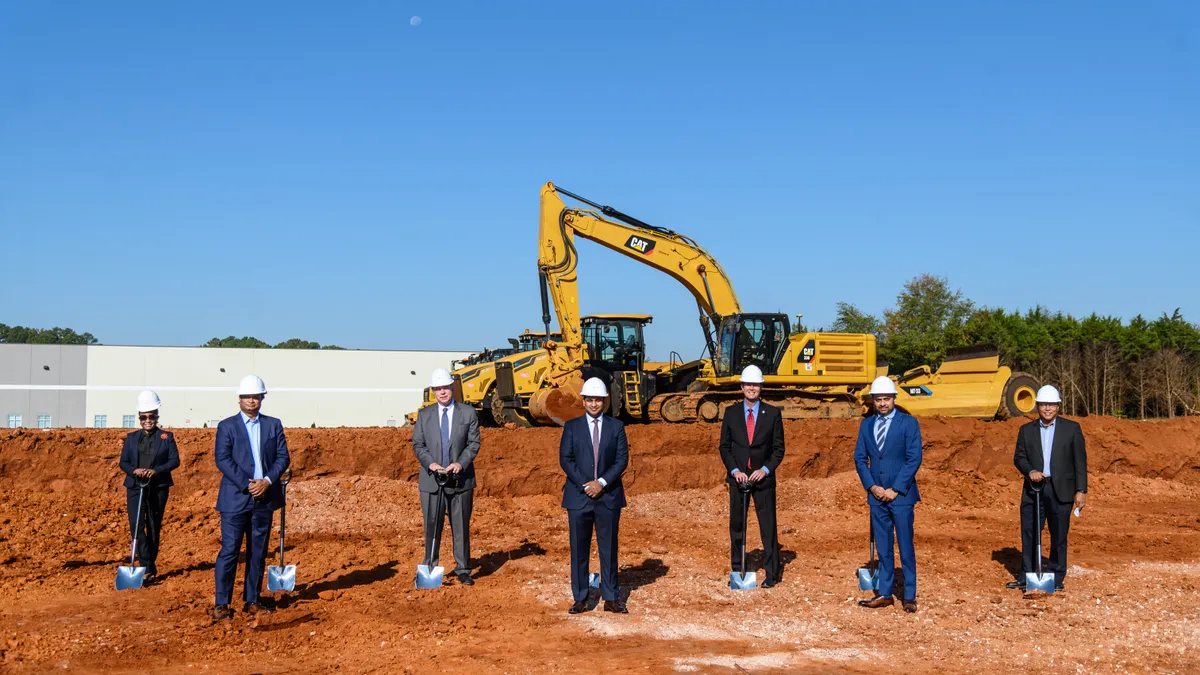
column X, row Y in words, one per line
column 252, row 454
column 887, row 455
column 594, row 453
column 149, row 454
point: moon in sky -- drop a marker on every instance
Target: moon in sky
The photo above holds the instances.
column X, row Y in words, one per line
column 415, row 21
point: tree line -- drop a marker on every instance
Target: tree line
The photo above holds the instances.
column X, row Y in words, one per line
column 1101, row 364
column 67, row 336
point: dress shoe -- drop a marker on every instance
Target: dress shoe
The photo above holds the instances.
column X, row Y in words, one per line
column 910, row 606
column 256, row 608
column 221, row 613
column 770, row 582
column 877, row 602
column 466, row 580
column 615, row 606
column 1058, row 585
column 578, row 608
column 1015, row 584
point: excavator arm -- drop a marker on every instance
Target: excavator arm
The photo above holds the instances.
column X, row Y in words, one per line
column 675, row 254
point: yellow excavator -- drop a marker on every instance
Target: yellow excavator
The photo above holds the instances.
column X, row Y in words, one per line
column 810, row 375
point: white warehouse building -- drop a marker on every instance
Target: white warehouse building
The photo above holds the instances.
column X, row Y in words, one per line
column 51, row 386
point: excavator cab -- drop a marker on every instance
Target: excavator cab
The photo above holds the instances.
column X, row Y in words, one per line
column 616, row 351
column 751, row 339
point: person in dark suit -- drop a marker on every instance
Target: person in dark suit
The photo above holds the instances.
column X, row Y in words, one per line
column 445, row 440
column 149, row 454
column 1051, row 456
column 251, row 452
column 752, row 447
column 593, row 453
column 887, row 455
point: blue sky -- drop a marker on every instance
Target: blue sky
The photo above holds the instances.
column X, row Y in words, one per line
column 174, row 171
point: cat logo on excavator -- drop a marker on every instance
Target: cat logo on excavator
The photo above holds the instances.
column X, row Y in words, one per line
column 640, row 244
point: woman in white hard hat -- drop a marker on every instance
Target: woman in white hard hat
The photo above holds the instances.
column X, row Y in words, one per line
column 148, row 458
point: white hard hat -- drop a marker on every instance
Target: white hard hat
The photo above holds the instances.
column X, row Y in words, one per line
column 441, row 378
column 251, row 385
column 594, row 387
column 148, row 401
column 1048, row 394
column 752, row 375
column 883, row 386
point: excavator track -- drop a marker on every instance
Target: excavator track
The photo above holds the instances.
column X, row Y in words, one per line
column 794, row 404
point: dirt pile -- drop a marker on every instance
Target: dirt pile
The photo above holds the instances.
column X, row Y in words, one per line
column 522, row 462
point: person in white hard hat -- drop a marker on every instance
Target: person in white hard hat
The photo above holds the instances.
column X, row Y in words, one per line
column 252, row 454
column 593, row 453
column 887, row 455
column 1052, row 457
column 445, row 440
column 149, row 454
column 752, row 448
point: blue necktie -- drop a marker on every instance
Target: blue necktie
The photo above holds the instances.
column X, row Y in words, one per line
column 445, row 437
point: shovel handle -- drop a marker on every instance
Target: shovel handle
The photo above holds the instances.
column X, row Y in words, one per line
column 286, row 477
column 141, row 482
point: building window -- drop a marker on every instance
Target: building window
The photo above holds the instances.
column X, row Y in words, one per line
column 129, row 421
column 43, row 421
column 14, row 421
column 100, row 421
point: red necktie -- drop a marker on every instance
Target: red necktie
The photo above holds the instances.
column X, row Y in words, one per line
column 749, row 433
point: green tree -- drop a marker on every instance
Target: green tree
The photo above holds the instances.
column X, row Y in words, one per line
column 234, row 342
column 44, row 336
column 929, row 319
column 851, row 319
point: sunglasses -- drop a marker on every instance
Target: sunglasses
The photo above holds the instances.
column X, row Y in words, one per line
column 151, row 416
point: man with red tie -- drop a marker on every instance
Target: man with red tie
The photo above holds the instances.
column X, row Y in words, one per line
column 594, row 453
column 752, row 449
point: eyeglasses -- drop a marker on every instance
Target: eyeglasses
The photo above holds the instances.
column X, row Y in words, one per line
column 151, row 416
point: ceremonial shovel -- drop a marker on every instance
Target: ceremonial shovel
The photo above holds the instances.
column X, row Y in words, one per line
column 1040, row 581
column 129, row 576
column 282, row 577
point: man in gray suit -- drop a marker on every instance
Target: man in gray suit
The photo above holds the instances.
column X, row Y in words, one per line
column 445, row 440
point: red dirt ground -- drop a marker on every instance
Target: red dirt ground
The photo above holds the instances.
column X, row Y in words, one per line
column 355, row 534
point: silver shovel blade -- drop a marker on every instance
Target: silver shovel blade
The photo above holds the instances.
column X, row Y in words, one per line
column 594, row 580
column 1043, row 582
column 281, row 578
column 868, row 579
column 430, row 578
column 130, row 577
column 743, row 582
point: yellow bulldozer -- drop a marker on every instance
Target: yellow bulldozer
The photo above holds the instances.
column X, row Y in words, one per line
column 475, row 376
column 810, row 375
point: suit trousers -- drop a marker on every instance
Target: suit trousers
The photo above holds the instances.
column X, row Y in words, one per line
column 149, row 526
column 254, row 526
column 887, row 519
column 1057, row 515
column 764, row 512
column 433, row 507
column 607, row 523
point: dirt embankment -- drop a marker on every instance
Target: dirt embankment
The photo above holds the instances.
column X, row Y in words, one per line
column 663, row 457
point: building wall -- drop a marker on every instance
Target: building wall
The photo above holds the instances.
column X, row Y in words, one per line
column 199, row 385
column 43, row 380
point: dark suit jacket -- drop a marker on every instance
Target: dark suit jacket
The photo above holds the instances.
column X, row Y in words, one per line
column 166, row 458
column 236, row 462
column 896, row 466
column 765, row 449
column 1068, row 458
column 464, row 445
column 575, row 458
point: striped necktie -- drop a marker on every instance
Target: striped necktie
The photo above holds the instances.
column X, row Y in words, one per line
column 881, row 429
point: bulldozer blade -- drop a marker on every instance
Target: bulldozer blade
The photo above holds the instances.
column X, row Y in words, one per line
column 281, row 578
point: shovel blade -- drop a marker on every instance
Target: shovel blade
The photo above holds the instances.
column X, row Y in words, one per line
column 868, row 579
column 130, row 577
column 430, row 578
column 594, row 580
column 1043, row 582
column 281, row 578
column 747, row 581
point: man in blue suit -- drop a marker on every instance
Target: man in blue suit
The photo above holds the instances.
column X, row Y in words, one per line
column 887, row 455
column 594, row 453
column 252, row 454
